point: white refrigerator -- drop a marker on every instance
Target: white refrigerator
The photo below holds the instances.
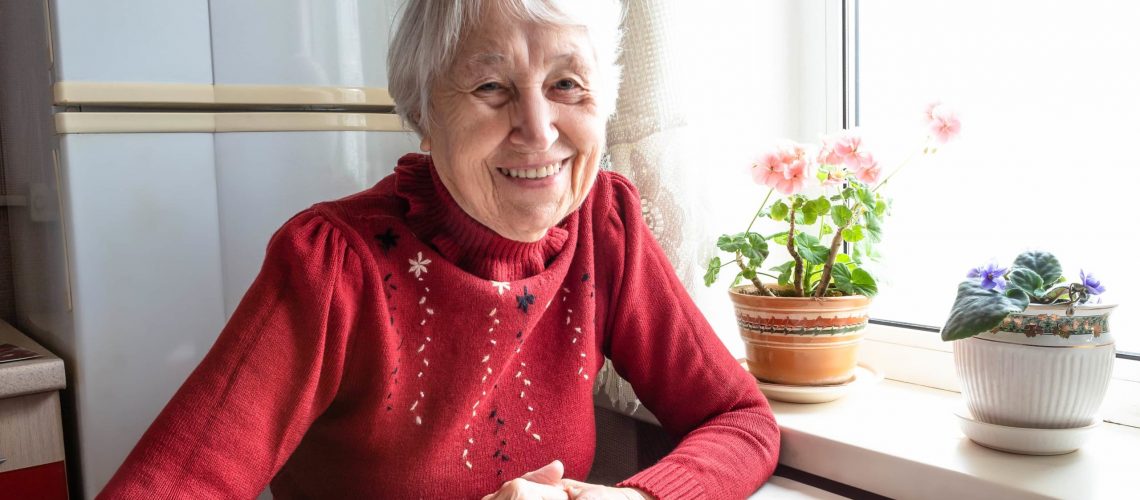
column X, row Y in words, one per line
column 153, row 147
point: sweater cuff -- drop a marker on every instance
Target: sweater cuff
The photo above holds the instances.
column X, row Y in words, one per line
column 666, row 481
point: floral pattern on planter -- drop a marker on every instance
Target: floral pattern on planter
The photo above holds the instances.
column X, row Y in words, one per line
column 1054, row 324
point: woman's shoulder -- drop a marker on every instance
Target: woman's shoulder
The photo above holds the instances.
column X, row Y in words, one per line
column 614, row 200
column 344, row 224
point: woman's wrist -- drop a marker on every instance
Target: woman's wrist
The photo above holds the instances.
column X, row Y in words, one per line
column 638, row 494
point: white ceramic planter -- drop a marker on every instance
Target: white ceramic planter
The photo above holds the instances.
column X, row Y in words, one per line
column 1040, row 369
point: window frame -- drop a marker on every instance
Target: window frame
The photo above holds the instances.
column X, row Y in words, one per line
column 909, row 352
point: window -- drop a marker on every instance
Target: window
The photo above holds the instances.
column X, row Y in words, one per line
column 1049, row 101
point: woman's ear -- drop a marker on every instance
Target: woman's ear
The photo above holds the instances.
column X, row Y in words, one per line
column 425, row 144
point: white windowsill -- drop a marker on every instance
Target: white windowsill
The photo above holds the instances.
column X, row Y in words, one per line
column 902, row 441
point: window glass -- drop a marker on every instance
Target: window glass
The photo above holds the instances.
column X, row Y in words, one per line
column 1049, row 98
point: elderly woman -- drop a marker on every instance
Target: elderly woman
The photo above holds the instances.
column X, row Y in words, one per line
column 437, row 336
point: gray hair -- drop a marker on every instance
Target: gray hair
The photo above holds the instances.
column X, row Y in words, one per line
column 430, row 31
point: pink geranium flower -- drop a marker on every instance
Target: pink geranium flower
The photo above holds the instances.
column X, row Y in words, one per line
column 795, row 176
column 868, row 170
column 786, row 168
column 943, row 122
column 768, row 170
column 847, row 145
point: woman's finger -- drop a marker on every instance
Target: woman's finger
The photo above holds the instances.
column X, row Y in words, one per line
column 550, row 474
column 521, row 489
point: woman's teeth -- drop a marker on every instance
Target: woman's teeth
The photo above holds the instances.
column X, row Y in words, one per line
column 532, row 173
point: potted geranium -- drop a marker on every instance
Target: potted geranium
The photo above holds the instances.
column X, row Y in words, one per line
column 1031, row 348
column 804, row 326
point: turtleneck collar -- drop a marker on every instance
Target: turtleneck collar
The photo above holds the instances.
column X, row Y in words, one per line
column 437, row 219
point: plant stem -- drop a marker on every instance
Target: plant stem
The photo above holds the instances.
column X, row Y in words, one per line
column 825, row 280
column 755, row 279
column 798, row 278
column 761, row 209
column 901, row 165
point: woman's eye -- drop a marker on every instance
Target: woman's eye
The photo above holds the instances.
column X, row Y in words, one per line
column 566, row 84
column 489, row 87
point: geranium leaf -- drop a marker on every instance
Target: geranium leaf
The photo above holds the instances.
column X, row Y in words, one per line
column 810, row 250
column 785, row 271
column 841, row 215
column 713, row 271
column 853, row 234
column 841, row 279
column 821, row 205
column 977, row 309
column 754, row 246
column 779, row 211
column 863, row 282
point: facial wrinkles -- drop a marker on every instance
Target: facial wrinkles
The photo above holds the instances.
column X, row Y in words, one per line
column 478, row 131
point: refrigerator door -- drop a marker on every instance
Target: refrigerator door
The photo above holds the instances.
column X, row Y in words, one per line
column 132, row 41
column 264, row 178
column 142, row 218
column 338, row 43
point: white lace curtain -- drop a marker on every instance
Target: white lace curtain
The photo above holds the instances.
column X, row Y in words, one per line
column 705, row 86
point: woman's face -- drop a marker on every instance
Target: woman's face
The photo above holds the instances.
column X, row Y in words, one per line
column 516, row 134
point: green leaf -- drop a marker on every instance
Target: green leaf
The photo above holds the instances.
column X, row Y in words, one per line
column 785, row 271
column 779, row 211
column 1027, row 280
column 881, row 207
column 853, row 234
column 826, row 229
column 821, row 205
column 977, row 310
column 864, row 283
column 754, row 246
column 780, row 238
column 810, row 250
column 736, row 281
column 866, row 196
column 841, row 279
column 726, row 243
column 748, row 273
column 1057, row 294
column 806, row 217
column 873, row 226
column 1044, row 264
column 713, row 271
column 841, row 215
column 842, row 258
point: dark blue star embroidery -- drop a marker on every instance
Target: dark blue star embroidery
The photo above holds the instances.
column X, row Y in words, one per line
column 387, row 240
column 525, row 300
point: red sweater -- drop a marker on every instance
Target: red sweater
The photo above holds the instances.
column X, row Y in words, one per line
column 392, row 347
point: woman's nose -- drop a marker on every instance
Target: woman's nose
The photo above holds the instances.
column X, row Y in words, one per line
column 533, row 122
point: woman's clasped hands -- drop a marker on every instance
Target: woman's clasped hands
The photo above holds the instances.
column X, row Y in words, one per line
column 547, row 483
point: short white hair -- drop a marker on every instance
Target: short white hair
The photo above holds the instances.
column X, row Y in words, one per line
column 429, row 32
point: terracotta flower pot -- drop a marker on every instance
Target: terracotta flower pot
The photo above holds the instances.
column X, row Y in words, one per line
column 800, row 340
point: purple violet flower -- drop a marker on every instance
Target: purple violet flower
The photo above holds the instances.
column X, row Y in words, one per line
column 1091, row 283
column 992, row 276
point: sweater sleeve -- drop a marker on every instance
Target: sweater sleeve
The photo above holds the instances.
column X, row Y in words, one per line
column 682, row 372
column 275, row 367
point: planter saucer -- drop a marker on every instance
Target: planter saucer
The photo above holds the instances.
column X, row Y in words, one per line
column 1023, row 440
column 864, row 375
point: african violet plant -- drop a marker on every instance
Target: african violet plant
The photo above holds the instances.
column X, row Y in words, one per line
column 850, row 210
column 991, row 293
